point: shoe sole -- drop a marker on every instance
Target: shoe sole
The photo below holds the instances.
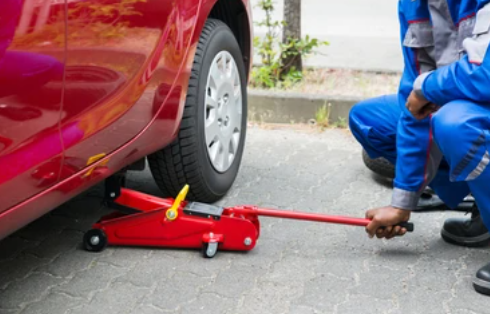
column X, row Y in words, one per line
column 479, row 241
column 481, row 286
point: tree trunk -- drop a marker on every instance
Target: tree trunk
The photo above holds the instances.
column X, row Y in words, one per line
column 26, row 17
column 43, row 16
column 292, row 29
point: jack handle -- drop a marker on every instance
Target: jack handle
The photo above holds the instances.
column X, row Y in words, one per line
column 407, row 225
column 288, row 214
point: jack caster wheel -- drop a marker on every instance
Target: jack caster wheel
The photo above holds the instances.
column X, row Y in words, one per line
column 94, row 240
column 209, row 250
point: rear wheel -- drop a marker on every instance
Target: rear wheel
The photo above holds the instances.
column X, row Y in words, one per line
column 209, row 147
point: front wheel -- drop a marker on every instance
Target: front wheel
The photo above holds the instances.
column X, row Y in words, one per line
column 209, row 147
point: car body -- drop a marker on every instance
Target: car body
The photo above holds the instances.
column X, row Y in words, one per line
column 89, row 87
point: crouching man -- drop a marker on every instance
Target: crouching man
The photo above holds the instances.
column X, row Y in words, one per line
column 437, row 128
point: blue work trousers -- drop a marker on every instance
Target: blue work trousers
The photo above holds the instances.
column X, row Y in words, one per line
column 461, row 129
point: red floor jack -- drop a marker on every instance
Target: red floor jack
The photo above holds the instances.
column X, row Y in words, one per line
column 145, row 220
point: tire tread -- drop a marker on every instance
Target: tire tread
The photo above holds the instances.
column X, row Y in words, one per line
column 177, row 165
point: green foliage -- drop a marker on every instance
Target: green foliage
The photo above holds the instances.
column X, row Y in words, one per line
column 322, row 116
column 88, row 22
column 100, row 20
column 54, row 31
column 272, row 51
column 341, row 123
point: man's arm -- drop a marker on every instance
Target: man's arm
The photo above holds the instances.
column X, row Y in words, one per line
column 386, row 216
column 467, row 78
column 417, row 162
column 417, row 156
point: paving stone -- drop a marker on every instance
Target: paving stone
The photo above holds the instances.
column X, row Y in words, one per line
column 123, row 256
column 120, row 297
column 380, row 281
column 417, row 299
column 268, row 297
column 32, row 288
column 149, row 309
column 178, row 291
column 56, row 244
column 69, row 262
column 324, row 292
column 233, row 282
column 209, row 303
column 87, row 282
column 466, row 311
column 153, row 270
column 12, row 246
column 301, row 309
column 296, row 267
column 291, row 269
column 54, row 303
column 194, row 263
column 15, row 269
column 464, row 298
column 365, row 304
column 42, row 228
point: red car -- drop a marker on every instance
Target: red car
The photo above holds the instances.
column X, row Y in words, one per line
column 89, row 88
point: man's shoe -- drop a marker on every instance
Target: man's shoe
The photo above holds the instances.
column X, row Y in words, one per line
column 430, row 201
column 481, row 283
column 466, row 231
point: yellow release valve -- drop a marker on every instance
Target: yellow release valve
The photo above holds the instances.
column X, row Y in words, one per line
column 173, row 212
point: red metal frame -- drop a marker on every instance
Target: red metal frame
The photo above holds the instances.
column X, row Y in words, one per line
column 237, row 229
column 151, row 227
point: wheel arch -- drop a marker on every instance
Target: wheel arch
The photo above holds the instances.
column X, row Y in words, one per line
column 234, row 13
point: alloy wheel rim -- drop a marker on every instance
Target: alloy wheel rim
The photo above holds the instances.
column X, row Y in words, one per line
column 223, row 111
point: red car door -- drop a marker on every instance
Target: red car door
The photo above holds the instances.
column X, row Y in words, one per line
column 32, row 39
column 116, row 49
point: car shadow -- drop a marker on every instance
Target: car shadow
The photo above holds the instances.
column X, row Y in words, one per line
column 58, row 234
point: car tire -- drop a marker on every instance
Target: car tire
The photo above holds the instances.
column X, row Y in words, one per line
column 189, row 159
column 380, row 166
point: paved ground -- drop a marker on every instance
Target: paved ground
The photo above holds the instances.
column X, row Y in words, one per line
column 297, row 267
column 362, row 34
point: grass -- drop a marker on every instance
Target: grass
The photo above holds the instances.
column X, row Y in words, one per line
column 322, row 119
column 342, row 83
column 347, row 83
column 322, row 116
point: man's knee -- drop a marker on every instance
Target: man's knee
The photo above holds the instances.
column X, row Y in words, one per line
column 448, row 123
column 358, row 113
column 360, row 122
column 381, row 113
column 456, row 127
column 453, row 120
column 373, row 123
column 366, row 114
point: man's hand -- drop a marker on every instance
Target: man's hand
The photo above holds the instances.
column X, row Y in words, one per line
column 386, row 217
column 420, row 108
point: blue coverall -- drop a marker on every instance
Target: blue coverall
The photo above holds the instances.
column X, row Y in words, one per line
column 445, row 48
